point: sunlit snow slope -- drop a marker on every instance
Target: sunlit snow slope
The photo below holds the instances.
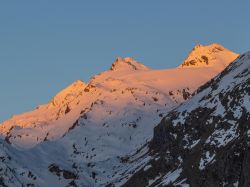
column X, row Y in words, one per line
column 121, row 95
column 85, row 132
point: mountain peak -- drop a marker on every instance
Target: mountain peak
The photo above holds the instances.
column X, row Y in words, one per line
column 67, row 94
column 213, row 46
column 210, row 55
column 127, row 63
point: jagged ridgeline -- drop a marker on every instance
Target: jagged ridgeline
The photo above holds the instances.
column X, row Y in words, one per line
column 97, row 133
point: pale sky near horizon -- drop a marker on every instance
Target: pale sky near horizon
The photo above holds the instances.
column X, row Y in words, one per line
column 45, row 45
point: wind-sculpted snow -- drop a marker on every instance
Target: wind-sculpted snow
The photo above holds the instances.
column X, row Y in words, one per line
column 205, row 141
column 96, row 134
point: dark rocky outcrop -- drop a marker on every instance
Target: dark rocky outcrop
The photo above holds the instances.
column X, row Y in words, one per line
column 62, row 172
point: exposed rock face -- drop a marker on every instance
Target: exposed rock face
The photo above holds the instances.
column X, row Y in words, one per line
column 205, row 141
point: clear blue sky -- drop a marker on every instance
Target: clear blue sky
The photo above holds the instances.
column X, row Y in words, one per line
column 47, row 44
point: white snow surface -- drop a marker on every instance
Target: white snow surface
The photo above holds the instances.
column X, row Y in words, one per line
column 227, row 83
column 206, row 160
column 171, row 177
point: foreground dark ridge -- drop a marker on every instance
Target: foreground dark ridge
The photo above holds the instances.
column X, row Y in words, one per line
column 205, row 141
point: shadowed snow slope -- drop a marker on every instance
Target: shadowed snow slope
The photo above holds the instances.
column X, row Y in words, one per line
column 96, row 125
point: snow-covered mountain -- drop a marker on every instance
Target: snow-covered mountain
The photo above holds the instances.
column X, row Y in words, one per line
column 205, row 141
column 121, row 95
column 204, row 56
column 92, row 134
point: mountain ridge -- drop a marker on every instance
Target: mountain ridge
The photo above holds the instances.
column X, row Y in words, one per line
column 101, row 127
column 125, row 73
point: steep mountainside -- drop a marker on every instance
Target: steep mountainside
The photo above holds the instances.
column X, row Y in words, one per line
column 205, row 141
column 92, row 134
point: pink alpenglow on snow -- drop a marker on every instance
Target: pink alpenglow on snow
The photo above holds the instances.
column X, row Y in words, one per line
column 127, row 86
column 91, row 128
